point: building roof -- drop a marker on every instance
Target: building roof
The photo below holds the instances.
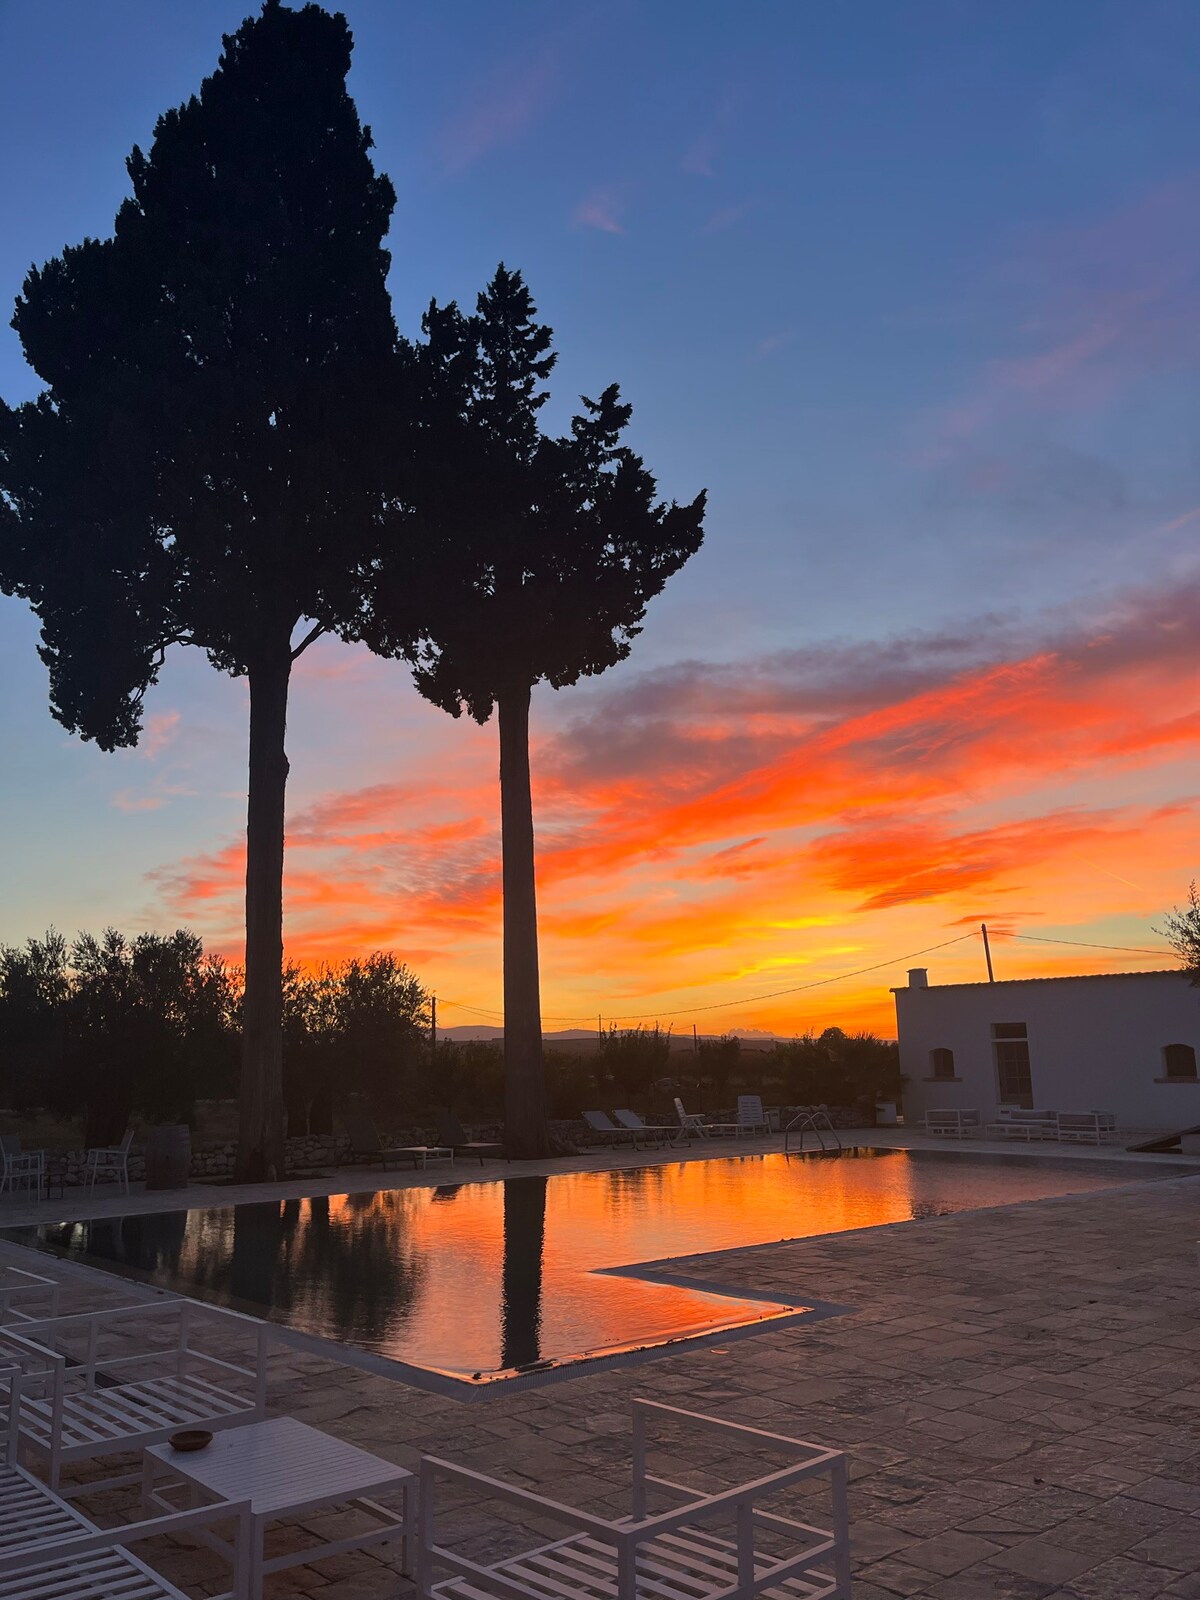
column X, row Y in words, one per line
column 1010, row 983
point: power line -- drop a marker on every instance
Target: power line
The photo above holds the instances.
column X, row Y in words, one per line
column 1086, row 944
column 750, row 1000
column 817, row 983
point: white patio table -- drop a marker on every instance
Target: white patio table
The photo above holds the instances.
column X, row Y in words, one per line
column 284, row 1468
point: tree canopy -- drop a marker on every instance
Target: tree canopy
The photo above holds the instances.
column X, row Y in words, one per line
column 535, row 560
column 206, row 450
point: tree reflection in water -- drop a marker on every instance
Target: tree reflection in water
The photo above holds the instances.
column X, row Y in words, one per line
column 521, row 1298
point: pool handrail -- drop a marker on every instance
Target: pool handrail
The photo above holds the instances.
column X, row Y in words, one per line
column 811, row 1118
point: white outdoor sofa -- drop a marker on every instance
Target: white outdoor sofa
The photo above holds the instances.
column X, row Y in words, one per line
column 1077, row 1127
column 50, row 1551
column 1015, row 1122
column 25, row 1296
column 952, row 1123
column 1086, row 1127
column 734, row 1543
column 111, row 1382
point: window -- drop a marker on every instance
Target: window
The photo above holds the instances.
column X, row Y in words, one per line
column 941, row 1063
column 1179, row 1061
column 1014, row 1081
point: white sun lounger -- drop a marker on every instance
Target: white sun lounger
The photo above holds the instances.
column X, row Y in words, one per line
column 631, row 1120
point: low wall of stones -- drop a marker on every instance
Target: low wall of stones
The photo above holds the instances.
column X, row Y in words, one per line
column 311, row 1152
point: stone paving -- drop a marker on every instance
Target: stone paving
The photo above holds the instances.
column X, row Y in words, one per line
column 1018, row 1391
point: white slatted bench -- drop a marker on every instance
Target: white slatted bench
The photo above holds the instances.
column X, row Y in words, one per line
column 111, row 1382
column 50, row 1551
column 723, row 1544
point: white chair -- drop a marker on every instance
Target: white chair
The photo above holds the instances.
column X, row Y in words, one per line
column 110, row 1159
column 49, row 1550
column 751, row 1117
column 21, row 1168
column 690, row 1121
column 108, row 1382
column 735, row 1543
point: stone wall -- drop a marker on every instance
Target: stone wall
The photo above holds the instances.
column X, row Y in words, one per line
column 309, row 1152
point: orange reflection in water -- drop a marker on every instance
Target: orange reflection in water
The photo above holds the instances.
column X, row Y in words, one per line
column 477, row 1279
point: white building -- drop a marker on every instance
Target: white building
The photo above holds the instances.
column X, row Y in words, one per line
column 1121, row 1042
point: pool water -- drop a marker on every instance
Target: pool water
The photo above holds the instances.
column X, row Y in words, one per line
column 481, row 1280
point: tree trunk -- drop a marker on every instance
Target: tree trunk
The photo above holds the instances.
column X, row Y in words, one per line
column 260, row 1154
column 526, row 1134
column 524, row 1244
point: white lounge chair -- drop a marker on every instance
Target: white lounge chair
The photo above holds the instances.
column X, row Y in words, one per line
column 105, row 1383
column 601, row 1122
column 110, row 1160
column 751, row 1117
column 734, row 1543
column 50, row 1551
column 690, row 1121
column 663, row 1131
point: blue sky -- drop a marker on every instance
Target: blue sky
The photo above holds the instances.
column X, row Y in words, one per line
column 911, row 289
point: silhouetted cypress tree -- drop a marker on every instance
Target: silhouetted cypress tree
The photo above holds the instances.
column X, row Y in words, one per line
column 201, row 458
column 536, row 560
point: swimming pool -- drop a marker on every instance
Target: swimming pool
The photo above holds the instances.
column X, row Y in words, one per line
column 481, row 1281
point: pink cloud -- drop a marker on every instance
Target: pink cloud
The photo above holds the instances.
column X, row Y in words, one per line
column 517, row 94
column 600, row 210
column 161, row 728
column 1105, row 305
column 773, row 343
column 726, row 217
column 701, row 155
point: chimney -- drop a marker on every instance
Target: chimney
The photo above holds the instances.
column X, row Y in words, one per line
column 918, row 978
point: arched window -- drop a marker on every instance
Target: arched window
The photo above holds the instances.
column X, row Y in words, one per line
column 941, row 1063
column 1179, row 1061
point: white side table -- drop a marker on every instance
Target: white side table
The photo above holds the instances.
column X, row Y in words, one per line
column 284, row 1468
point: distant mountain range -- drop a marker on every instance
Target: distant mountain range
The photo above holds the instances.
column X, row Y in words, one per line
column 751, row 1037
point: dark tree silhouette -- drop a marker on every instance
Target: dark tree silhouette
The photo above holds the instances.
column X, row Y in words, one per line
column 201, row 459
column 521, row 1297
column 537, row 558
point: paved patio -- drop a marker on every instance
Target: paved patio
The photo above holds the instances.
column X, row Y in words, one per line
column 1018, row 1391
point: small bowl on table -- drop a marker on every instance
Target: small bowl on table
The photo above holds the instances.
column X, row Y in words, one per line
column 188, row 1439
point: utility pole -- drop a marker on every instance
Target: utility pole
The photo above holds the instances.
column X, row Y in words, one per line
column 433, row 1024
column 987, row 950
column 695, row 1039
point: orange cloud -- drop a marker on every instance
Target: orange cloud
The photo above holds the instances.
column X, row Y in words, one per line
column 714, row 831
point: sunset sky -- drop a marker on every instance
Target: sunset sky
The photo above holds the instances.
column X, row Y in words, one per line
column 915, row 292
